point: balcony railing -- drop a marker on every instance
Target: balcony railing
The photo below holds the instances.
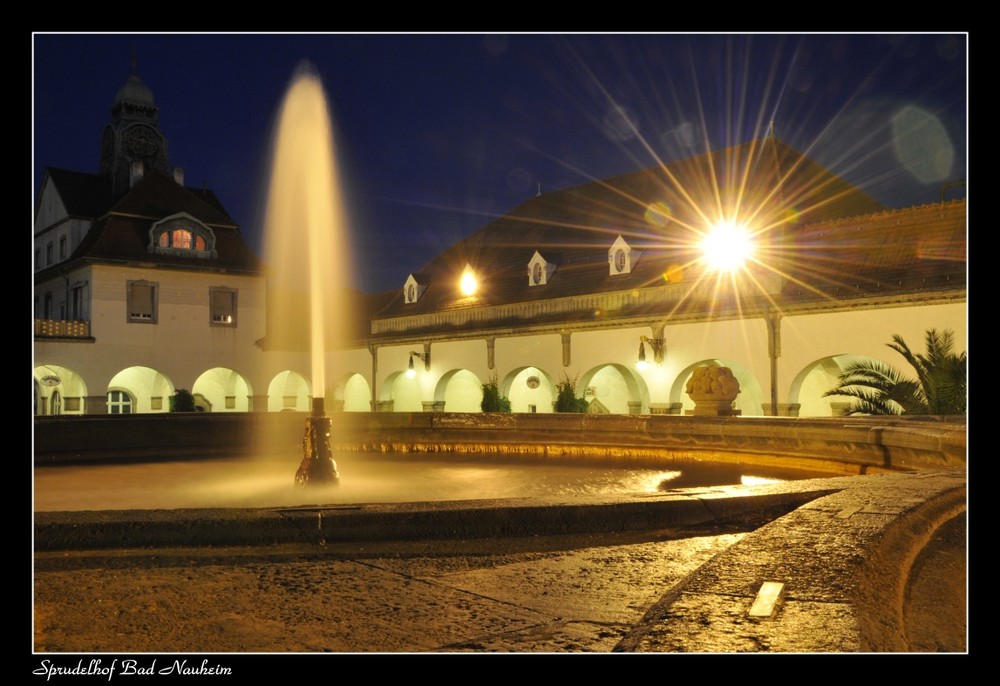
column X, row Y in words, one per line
column 59, row 328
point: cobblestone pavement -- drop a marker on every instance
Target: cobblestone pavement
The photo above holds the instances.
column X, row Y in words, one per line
column 871, row 564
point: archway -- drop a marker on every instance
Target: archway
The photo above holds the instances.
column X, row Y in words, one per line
column 53, row 380
column 529, row 389
column 225, row 389
column 139, row 390
column 615, row 388
column 460, row 391
column 812, row 382
column 750, row 401
column 353, row 394
column 402, row 393
column 288, row 390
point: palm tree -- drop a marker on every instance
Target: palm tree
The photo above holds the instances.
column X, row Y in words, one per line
column 878, row 388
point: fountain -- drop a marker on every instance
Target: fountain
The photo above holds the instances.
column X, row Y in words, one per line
column 305, row 247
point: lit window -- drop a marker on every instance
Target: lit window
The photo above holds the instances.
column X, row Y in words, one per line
column 119, row 402
column 223, row 306
column 142, row 302
column 182, row 235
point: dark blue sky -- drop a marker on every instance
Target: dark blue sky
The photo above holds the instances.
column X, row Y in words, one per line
column 440, row 133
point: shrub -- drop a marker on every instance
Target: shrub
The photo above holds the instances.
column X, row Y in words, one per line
column 182, row 401
column 492, row 400
column 566, row 400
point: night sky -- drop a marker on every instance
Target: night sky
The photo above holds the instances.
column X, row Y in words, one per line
column 437, row 134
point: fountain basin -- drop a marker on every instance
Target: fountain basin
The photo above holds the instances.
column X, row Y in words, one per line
column 844, row 445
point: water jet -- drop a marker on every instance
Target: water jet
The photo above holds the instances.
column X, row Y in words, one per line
column 306, row 247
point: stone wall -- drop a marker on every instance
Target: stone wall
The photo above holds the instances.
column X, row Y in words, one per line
column 848, row 445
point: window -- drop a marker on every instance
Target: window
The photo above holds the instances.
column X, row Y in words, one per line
column 536, row 273
column 76, row 304
column 223, row 306
column 38, row 258
column 620, row 260
column 62, row 247
column 142, row 302
column 47, row 306
column 48, row 254
column 119, row 402
column 182, row 235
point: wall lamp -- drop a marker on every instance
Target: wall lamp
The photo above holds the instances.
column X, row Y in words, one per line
column 656, row 344
column 425, row 356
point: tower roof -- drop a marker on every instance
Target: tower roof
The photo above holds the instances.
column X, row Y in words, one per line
column 135, row 92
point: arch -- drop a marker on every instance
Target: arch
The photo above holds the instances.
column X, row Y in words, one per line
column 225, row 389
column 750, row 401
column 619, row 389
column 149, row 389
column 352, row 393
column 402, row 392
column 51, row 379
column 460, row 391
column 814, row 380
column 529, row 389
column 289, row 390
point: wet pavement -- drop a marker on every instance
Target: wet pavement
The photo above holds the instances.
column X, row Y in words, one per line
column 856, row 564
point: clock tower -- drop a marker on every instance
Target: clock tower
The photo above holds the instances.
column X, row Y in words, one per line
column 132, row 135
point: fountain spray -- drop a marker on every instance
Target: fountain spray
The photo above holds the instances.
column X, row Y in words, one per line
column 307, row 253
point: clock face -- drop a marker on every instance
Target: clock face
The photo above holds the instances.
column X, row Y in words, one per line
column 142, row 141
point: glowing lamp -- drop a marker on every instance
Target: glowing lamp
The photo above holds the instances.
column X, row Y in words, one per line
column 727, row 247
column 468, row 285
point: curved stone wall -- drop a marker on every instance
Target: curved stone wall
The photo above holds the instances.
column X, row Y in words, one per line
column 842, row 445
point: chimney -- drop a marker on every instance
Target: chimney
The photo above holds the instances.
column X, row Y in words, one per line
column 179, row 176
column 136, row 174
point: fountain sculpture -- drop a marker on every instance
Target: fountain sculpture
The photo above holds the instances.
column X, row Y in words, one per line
column 306, row 248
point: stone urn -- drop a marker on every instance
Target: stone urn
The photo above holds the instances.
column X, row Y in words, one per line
column 713, row 390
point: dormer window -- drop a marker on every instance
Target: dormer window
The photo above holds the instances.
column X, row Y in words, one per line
column 182, row 235
column 621, row 257
column 413, row 289
column 539, row 270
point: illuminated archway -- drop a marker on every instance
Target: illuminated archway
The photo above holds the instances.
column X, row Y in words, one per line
column 289, row 391
column 51, row 379
column 816, row 379
column 750, row 401
column 148, row 389
column 618, row 389
column 460, row 390
column 352, row 394
column 529, row 389
column 225, row 389
column 402, row 392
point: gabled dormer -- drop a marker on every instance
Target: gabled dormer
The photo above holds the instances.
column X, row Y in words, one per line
column 413, row 289
column 182, row 235
column 621, row 257
column 539, row 270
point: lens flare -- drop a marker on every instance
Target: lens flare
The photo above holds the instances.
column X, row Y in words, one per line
column 727, row 247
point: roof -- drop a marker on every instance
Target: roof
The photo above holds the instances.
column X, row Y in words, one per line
column 120, row 232
column 660, row 211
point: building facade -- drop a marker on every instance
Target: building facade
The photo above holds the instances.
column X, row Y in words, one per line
column 143, row 286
